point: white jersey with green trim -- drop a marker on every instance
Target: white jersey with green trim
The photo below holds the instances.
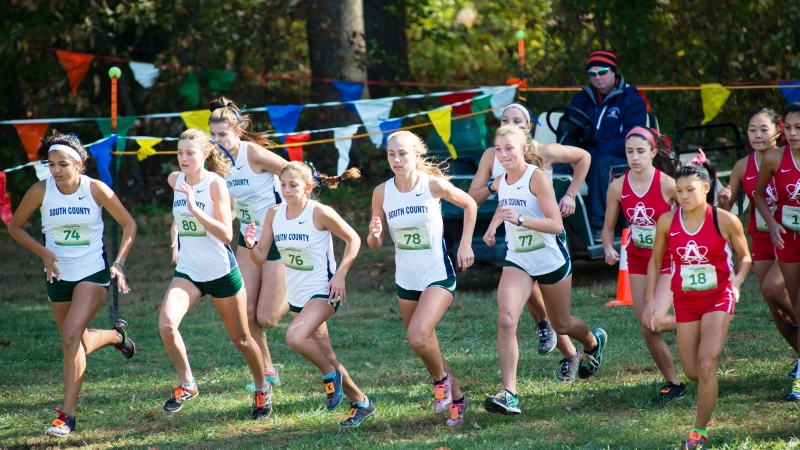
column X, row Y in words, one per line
column 537, row 253
column 201, row 255
column 72, row 226
column 306, row 252
column 254, row 192
column 415, row 223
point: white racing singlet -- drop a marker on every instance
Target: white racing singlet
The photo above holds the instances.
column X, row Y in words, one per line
column 72, row 226
column 306, row 252
column 415, row 223
column 254, row 192
column 537, row 253
column 201, row 255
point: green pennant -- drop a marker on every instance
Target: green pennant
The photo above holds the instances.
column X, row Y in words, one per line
column 481, row 103
column 219, row 80
column 190, row 89
column 124, row 125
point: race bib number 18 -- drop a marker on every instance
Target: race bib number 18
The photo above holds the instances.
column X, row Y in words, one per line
column 700, row 277
column 246, row 213
column 188, row 224
column 415, row 237
column 71, row 234
column 761, row 224
column 791, row 218
column 643, row 236
column 526, row 240
column 297, row 258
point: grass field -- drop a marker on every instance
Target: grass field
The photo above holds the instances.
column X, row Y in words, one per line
column 610, row 410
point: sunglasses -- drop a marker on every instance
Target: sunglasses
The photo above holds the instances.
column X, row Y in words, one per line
column 601, row 72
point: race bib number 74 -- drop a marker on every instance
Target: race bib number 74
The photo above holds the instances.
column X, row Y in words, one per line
column 71, row 234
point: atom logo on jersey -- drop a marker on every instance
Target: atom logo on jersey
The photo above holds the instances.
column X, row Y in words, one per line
column 693, row 253
column 641, row 215
column 772, row 196
column 794, row 191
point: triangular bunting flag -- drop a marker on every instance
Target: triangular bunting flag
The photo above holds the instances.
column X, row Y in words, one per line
column 296, row 153
column 343, row 146
column 196, row 119
column 440, row 118
column 714, row 96
column 144, row 73
column 284, row 118
column 102, row 154
column 146, row 147
column 42, row 171
column 190, row 89
column 124, row 125
column 31, row 134
column 349, row 91
column 790, row 94
column 5, row 202
column 457, row 97
column 388, row 127
column 219, row 80
column 76, row 65
column 501, row 96
column 372, row 112
column 481, row 103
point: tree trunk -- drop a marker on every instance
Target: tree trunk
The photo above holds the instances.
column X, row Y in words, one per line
column 336, row 46
column 386, row 42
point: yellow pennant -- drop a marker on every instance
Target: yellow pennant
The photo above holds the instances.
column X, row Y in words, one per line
column 440, row 118
column 146, row 147
column 714, row 96
column 196, row 119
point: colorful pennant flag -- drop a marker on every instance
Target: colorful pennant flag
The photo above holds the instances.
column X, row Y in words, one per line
column 42, row 171
column 124, row 125
column 440, row 118
column 349, row 91
column 343, row 146
column 456, row 97
column 481, row 103
column 284, row 118
column 372, row 112
column 296, row 153
column 146, row 147
column 219, row 80
column 714, row 96
column 5, row 202
column 102, row 154
column 501, row 96
column 196, row 119
column 31, row 134
column 388, row 127
column 144, row 73
column 190, row 89
column 790, row 94
column 76, row 65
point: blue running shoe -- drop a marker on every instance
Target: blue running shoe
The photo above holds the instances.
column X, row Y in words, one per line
column 591, row 361
column 795, row 394
column 270, row 377
column 547, row 337
column 504, row 402
column 358, row 414
column 333, row 389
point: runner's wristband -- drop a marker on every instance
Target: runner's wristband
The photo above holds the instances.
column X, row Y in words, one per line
column 119, row 264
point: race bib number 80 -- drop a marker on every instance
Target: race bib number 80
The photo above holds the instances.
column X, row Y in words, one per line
column 415, row 237
column 188, row 225
column 526, row 240
column 71, row 234
column 700, row 277
column 296, row 258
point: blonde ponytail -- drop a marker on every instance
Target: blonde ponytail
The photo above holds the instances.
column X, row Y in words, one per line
column 309, row 175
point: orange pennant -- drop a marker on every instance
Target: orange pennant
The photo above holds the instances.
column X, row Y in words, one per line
column 296, row 153
column 31, row 134
column 76, row 65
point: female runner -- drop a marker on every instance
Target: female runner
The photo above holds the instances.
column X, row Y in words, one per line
column 705, row 287
column 781, row 166
column 408, row 205
column 650, row 173
column 536, row 253
column 763, row 132
column 74, row 258
column 482, row 187
column 206, row 265
column 251, row 183
column 301, row 230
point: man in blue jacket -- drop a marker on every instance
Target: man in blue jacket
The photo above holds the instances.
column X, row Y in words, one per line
column 614, row 107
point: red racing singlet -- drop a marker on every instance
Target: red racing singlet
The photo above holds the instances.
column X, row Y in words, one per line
column 701, row 261
column 642, row 212
column 757, row 227
column 787, row 184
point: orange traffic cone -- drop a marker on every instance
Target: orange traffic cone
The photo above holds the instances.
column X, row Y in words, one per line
column 624, row 297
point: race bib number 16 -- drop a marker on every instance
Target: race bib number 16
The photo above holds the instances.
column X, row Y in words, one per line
column 791, row 218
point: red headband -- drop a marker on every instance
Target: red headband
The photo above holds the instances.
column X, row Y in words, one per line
column 699, row 159
column 645, row 133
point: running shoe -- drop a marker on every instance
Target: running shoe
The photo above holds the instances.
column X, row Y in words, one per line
column 569, row 366
column 504, row 402
column 358, row 414
column 270, row 377
column 547, row 337
column 795, row 394
column 793, row 372
column 262, row 404
column 443, row 394
column 179, row 395
column 696, row 440
column 62, row 426
column 333, row 389
column 127, row 347
column 457, row 410
column 669, row 392
column 591, row 361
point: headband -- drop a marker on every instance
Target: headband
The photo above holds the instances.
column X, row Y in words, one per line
column 66, row 149
column 643, row 132
column 699, row 159
column 519, row 107
column 225, row 150
column 314, row 172
column 220, row 105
